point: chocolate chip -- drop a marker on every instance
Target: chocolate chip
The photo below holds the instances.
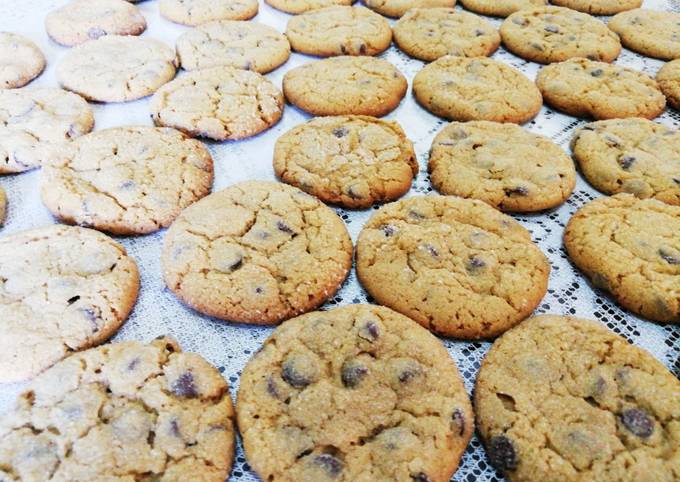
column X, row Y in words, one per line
column 668, row 257
column 420, row 477
column 625, row 161
column 343, row 49
column 638, row 422
column 370, row 331
column 432, row 251
column 409, row 373
column 127, row 184
column 295, row 373
column 475, row 264
column 389, row 230
column 283, row 227
column 415, row 215
column 340, row 132
column 362, row 49
column 95, row 32
column 133, row 364
column 516, row 191
column 248, row 65
column 331, row 465
column 458, row 420
column 552, row 28
column 259, row 290
column 236, row 264
column 174, row 428
column 676, row 180
column 502, row 453
column 73, row 299
column 92, row 317
column 479, row 33
column 271, row 387
column 184, row 386
column 352, row 373
column 597, row 73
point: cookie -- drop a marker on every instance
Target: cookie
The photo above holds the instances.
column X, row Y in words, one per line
column 257, row 252
column 20, row 59
column 649, row 32
column 397, row 8
column 353, row 161
column 83, row 20
column 119, row 411
column 355, row 393
column 3, row 206
column 127, row 180
column 36, row 122
column 584, row 88
column 668, row 79
column 501, row 8
column 196, row 12
column 63, row 289
column 219, row 103
column 300, row 6
column 345, row 85
column 458, row 88
column 599, row 7
column 560, row 398
column 242, row 45
column 630, row 248
column 456, row 266
column 503, row 165
column 636, row 156
column 430, row 33
column 554, row 34
column 339, row 30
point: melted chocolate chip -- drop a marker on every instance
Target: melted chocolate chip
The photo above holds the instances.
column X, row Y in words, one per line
column 184, row 386
column 420, row 477
column 352, row 373
column 432, row 251
column 552, row 28
column 293, row 376
column 638, row 422
column 502, row 453
column 340, row 132
column 331, row 465
column 283, row 227
column 409, row 373
column 625, row 161
column 370, row 331
column 668, row 257
column 458, row 420
column 236, row 264
column 479, row 33
column 133, row 364
column 415, row 215
column 389, row 230
column 516, row 191
column 475, row 264
column 174, row 428
column 597, row 72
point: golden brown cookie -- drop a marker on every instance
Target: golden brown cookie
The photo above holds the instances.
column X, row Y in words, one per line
column 501, row 8
column 196, row 12
column 21, row 60
column 397, row 8
column 301, row 6
column 649, row 32
column 598, row 7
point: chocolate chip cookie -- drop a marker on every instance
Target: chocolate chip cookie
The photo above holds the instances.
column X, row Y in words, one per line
column 257, row 252
column 503, row 165
column 649, row 32
column 355, row 393
column 196, row 12
column 599, row 7
column 630, row 248
column 559, row 398
column 397, row 8
column 301, row 6
column 21, row 60
column 353, row 161
column 118, row 411
column 668, row 79
column 501, row 8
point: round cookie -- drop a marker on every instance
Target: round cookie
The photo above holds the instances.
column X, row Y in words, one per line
column 257, row 252
column 118, row 411
column 458, row 88
column 339, row 30
column 397, row 8
column 355, row 393
column 584, row 88
column 649, row 32
column 3, row 206
column 230, row 43
column 83, row 20
column 353, row 161
column 630, row 248
column 668, row 79
column 127, row 180
column 64, row 289
column 36, row 122
column 345, row 85
column 501, row 8
column 633, row 155
column 503, row 165
column 430, row 33
column 20, row 60
column 219, row 103
column 554, row 34
column 456, row 266
column 117, row 68
column 599, row 7
column 559, row 398
column 196, row 12
column 300, row 6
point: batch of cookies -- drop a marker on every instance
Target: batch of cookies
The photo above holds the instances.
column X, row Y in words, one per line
column 361, row 392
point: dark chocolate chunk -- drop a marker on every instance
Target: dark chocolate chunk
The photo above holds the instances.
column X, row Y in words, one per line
column 420, row 477
column 292, row 373
column 625, row 161
column 458, row 420
column 331, row 465
column 352, row 373
column 669, row 257
column 502, row 453
column 638, row 422
column 370, row 331
column 340, row 132
column 184, row 386
column 475, row 264
column 597, row 72
column 516, row 191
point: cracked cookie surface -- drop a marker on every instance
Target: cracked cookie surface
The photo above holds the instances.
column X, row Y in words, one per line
column 397, row 8
column 668, row 79
column 301, row 6
column 430, row 33
column 633, row 155
column 353, row 161
column 36, row 122
column 345, row 85
column 127, row 180
column 196, row 12
column 559, row 398
column 20, row 60
column 584, row 88
column 257, row 252
column 554, row 34
column 123, row 411
column 457, row 266
column 503, row 165
column 501, row 8
column 358, row 393
column 339, row 30
column 219, row 103
column 458, row 88
column 598, row 7
column 62, row 289
column 649, row 32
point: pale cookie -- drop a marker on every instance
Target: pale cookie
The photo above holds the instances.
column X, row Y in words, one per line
column 630, row 248
column 339, row 30
column 3, row 206
column 397, row 8
column 83, row 20
column 458, row 88
column 20, row 60
column 219, row 103
column 565, row 399
column 122, row 412
column 649, row 32
column 599, row 7
column 636, row 156
column 257, row 252
column 127, row 180
column 501, row 8
column 358, row 393
column 36, row 122
column 117, row 68
column 668, row 79
column 353, row 161
column 456, row 266
column 554, row 34
column 430, row 33
column 230, row 43
column 196, row 12
column 301, row 6
column 503, row 165
column 345, row 85
column 583, row 88
column 62, row 289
